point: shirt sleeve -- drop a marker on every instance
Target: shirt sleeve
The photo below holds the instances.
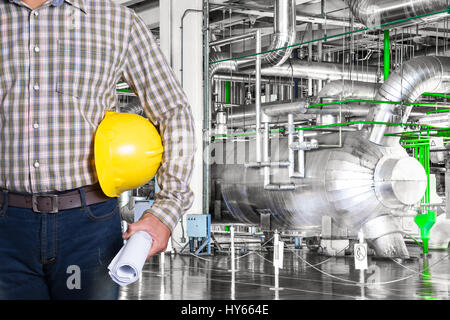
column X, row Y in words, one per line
column 165, row 104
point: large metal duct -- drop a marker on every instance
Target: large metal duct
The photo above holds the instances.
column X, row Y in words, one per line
column 357, row 185
column 378, row 12
column 278, row 111
column 278, row 51
column 284, row 33
column 223, row 66
column 406, row 84
column 349, row 89
column 322, row 71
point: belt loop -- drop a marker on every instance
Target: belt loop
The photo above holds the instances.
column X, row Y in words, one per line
column 5, row 202
column 82, row 196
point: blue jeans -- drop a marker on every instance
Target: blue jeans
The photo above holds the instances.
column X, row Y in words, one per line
column 61, row 255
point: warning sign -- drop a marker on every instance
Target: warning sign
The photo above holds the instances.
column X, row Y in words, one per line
column 360, row 251
column 437, row 143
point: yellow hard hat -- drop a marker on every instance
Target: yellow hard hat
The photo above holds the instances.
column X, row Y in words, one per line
column 127, row 151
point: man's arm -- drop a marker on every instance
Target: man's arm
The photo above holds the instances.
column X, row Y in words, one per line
column 165, row 104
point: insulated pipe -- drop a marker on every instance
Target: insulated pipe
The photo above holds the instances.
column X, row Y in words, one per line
column 228, row 65
column 300, row 107
column 226, row 41
column 419, row 75
column 268, row 109
column 248, row 79
column 378, row 12
column 284, row 37
column 224, row 66
column 284, row 33
column 322, row 71
column 349, row 89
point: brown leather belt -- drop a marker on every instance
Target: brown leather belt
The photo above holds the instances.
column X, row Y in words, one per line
column 54, row 202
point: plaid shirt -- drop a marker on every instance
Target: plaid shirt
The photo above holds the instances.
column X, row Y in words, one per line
column 59, row 66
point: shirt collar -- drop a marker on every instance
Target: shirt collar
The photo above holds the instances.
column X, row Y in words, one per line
column 76, row 3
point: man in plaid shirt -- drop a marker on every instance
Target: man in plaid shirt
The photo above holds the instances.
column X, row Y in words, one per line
column 60, row 62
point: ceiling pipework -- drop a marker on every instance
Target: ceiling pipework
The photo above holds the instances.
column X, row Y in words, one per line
column 379, row 12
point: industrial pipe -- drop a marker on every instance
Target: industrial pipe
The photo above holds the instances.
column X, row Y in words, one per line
column 380, row 12
column 279, row 50
column 419, row 75
column 342, row 89
column 258, row 97
column 248, row 79
column 300, row 107
column 322, row 71
column 284, row 33
column 387, row 52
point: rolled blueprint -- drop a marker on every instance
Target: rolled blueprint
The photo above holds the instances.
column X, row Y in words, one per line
column 126, row 267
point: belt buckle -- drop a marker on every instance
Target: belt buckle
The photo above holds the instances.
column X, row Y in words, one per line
column 34, row 201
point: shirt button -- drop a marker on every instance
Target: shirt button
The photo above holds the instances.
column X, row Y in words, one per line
column 36, row 13
column 36, row 87
column 36, row 164
column 36, row 49
column 36, row 125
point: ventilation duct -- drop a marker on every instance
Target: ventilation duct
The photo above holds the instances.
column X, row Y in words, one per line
column 223, row 66
column 284, row 33
column 378, row 12
column 419, row 75
column 284, row 37
column 322, row 71
column 349, row 89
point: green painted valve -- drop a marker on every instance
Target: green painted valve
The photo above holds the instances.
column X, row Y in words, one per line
column 425, row 222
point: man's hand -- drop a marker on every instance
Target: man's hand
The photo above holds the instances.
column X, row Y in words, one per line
column 159, row 232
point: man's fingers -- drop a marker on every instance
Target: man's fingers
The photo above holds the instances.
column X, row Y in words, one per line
column 156, row 248
column 153, row 226
column 130, row 230
column 156, row 245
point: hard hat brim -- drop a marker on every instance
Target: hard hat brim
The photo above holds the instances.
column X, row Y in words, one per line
column 103, row 164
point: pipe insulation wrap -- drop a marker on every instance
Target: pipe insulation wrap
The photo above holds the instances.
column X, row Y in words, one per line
column 284, row 33
column 278, row 51
column 406, row 84
column 322, row 71
column 378, row 12
column 349, row 89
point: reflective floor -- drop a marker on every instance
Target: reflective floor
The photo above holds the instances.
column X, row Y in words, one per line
column 305, row 275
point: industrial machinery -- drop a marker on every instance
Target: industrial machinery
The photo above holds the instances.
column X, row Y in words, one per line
column 335, row 147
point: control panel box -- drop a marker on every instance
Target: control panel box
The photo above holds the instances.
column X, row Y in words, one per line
column 197, row 225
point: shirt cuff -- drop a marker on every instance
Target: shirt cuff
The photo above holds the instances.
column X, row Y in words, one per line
column 167, row 214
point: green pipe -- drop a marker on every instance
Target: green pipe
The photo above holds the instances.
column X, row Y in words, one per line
column 227, row 92
column 422, row 154
column 438, row 111
column 378, row 102
column 441, row 95
column 410, row 141
column 425, row 222
column 326, row 38
column 386, row 53
column 415, row 145
column 418, row 131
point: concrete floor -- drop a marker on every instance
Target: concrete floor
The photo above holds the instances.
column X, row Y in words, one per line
column 305, row 276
